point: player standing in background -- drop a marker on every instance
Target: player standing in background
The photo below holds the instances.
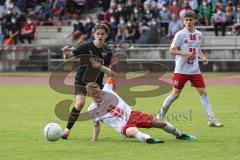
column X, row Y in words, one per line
column 85, row 74
column 186, row 47
column 109, row 108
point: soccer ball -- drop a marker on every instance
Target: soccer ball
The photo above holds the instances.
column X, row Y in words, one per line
column 52, row 132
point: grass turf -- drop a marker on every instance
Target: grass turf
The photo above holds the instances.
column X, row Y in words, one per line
column 26, row 109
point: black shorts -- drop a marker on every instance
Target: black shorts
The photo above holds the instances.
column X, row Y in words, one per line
column 80, row 89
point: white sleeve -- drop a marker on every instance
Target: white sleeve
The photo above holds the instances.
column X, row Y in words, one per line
column 177, row 40
column 92, row 115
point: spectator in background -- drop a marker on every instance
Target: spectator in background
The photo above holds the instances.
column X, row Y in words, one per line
column 121, row 1
column 175, row 25
column 58, row 9
column 165, row 17
column 23, row 17
column 113, row 29
column 100, row 17
column 79, row 6
column 113, row 4
column 2, row 10
column 121, row 29
column 230, row 15
column 43, row 10
column 217, row 4
column 193, row 5
column 14, row 9
column 120, row 12
column 89, row 26
column 219, row 19
column 150, row 4
column 230, row 6
column 131, row 32
column 129, row 8
column 8, row 16
column 105, row 4
column 78, row 26
column 224, row 3
column 8, row 3
column 70, row 9
column 145, row 30
column 162, row 3
column 2, row 31
column 28, row 31
column 107, row 14
column 75, row 7
column 148, row 13
column 136, row 17
column 236, row 2
column 205, row 13
column 155, row 31
column 14, row 30
column 21, row 4
column 78, row 34
column 175, row 8
column 185, row 7
column 236, row 25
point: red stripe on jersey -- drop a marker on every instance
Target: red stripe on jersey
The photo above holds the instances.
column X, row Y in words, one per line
column 192, row 37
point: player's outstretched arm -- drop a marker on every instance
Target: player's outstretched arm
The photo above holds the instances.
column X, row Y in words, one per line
column 114, row 61
column 203, row 58
column 104, row 69
column 96, row 131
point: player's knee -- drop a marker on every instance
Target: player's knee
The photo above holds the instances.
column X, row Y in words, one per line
column 202, row 92
column 176, row 92
column 158, row 123
column 131, row 132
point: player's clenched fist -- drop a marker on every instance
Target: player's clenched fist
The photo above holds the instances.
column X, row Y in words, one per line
column 67, row 52
column 205, row 61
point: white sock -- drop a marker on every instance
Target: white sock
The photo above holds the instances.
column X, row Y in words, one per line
column 141, row 136
column 207, row 105
column 169, row 128
column 166, row 104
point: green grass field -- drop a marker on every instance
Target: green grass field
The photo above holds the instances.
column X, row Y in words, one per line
column 26, row 109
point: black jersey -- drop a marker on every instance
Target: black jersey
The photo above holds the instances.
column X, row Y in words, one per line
column 86, row 73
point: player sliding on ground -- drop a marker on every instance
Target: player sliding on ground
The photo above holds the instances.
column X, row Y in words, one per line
column 112, row 110
column 186, row 47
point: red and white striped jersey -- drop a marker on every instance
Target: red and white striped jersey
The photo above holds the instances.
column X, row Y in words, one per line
column 187, row 42
column 112, row 110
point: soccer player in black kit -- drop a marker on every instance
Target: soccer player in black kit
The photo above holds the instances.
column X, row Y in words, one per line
column 86, row 73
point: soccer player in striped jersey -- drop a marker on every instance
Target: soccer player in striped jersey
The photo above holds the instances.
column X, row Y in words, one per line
column 108, row 107
column 186, row 48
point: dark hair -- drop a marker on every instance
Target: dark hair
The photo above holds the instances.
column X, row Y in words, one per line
column 101, row 26
column 189, row 14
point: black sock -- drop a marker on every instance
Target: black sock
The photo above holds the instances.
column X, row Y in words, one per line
column 72, row 118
